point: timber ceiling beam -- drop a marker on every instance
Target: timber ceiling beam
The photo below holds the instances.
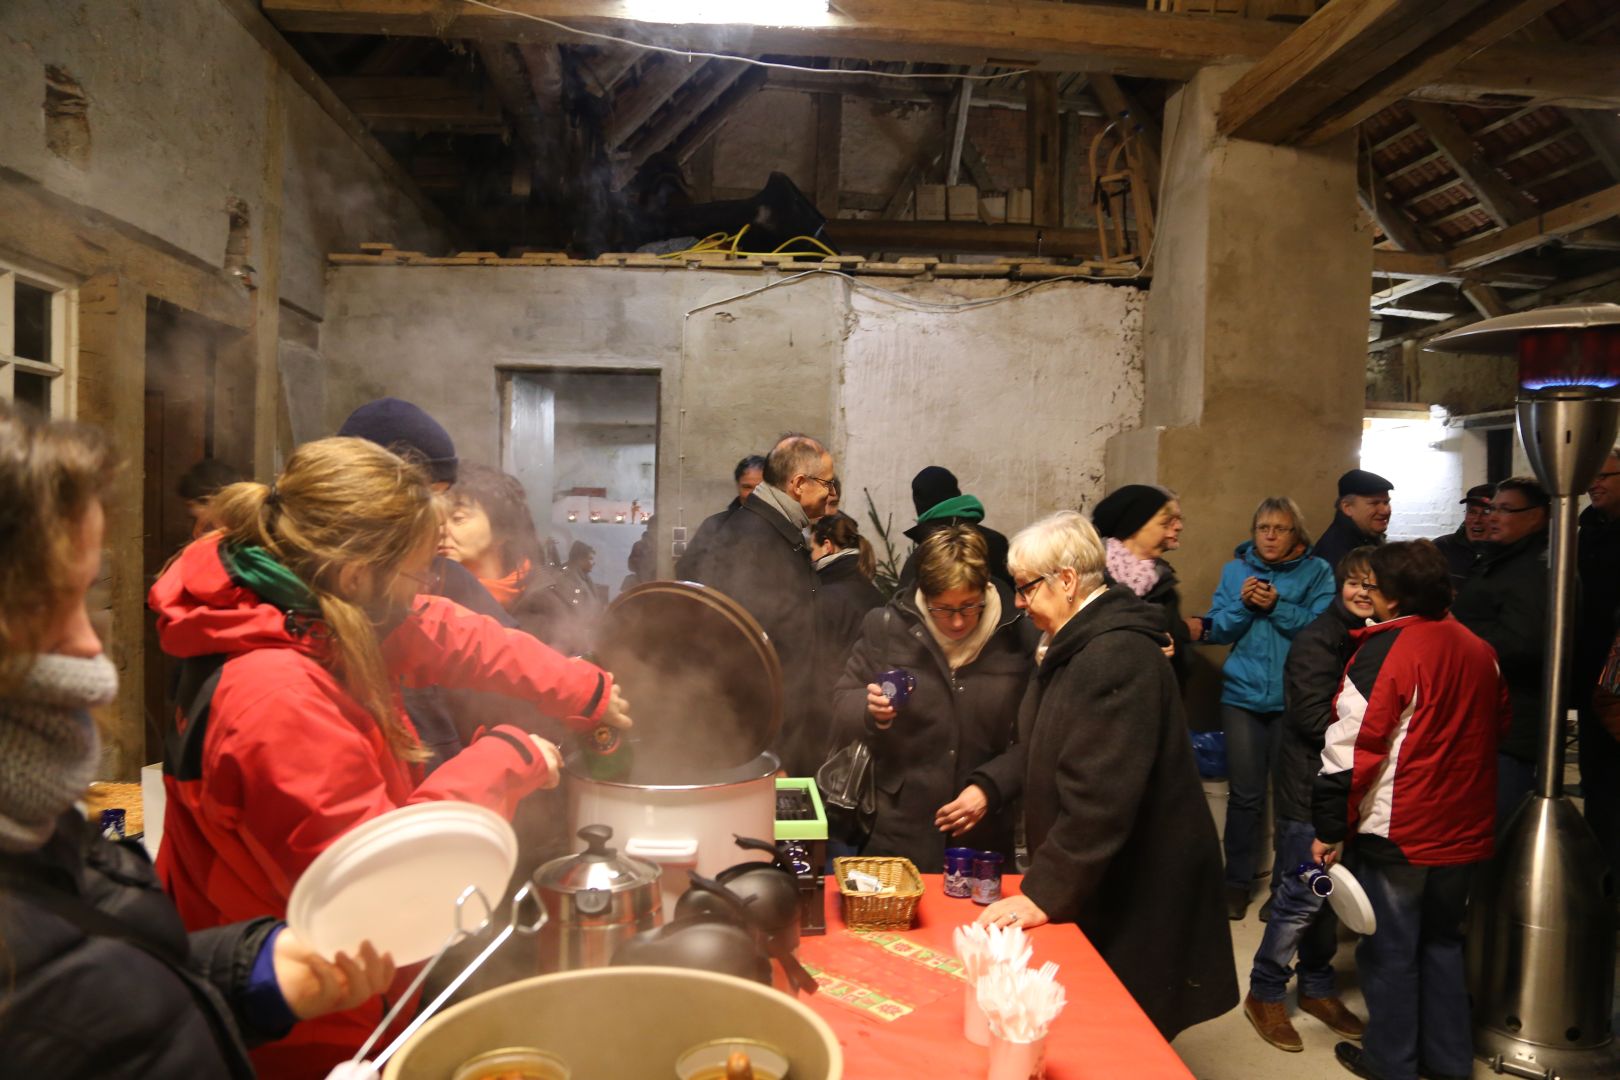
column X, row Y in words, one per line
column 700, row 93
column 1497, row 197
column 918, row 91
column 635, row 106
column 1024, row 33
column 1354, row 57
column 1533, row 232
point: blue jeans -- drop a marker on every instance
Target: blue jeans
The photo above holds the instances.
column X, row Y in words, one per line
column 1514, row 780
column 1301, row 922
column 1412, row 969
column 1251, row 746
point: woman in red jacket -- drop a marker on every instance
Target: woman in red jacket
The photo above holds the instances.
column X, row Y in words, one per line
column 298, row 621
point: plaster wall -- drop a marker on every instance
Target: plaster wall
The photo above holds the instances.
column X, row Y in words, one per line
column 181, row 103
column 1017, row 397
column 1255, row 331
column 1431, row 464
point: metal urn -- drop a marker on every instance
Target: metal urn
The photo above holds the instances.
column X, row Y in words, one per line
column 1541, row 935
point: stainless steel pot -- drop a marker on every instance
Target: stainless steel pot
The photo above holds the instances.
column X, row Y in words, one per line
column 597, row 899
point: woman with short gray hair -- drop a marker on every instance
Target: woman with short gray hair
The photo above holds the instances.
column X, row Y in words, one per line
column 1119, row 836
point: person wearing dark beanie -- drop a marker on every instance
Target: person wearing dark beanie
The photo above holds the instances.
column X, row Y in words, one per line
column 411, row 433
column 408, row 431
column 1139, row 523
column 938, row 499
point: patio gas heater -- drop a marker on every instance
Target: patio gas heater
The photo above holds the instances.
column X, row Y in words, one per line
column 1541, row 936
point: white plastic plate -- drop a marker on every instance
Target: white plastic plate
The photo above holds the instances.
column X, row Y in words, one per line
column 1350, row 901
column 394, row 881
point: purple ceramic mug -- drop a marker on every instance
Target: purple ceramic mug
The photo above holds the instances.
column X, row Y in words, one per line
column 897, row 685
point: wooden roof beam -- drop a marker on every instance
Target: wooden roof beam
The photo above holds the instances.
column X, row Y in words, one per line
column 1050, row 36
column 1533, row 232
column 702, row 92
column 635, row 106
column 1354, row 57
column 1500, row 199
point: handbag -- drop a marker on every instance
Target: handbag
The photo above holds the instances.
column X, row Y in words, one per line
column 849, row 791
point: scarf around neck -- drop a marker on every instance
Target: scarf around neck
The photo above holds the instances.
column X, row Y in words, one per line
column 842, row 553
column 506, row 590
column 259, row 571
column 49, row 749
column 959, row 654
column 784, row 504
column 1124, row 566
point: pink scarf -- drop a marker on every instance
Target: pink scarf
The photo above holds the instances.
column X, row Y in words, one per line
column 1137, row 575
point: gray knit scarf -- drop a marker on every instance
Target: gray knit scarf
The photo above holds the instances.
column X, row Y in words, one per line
column 49, row 749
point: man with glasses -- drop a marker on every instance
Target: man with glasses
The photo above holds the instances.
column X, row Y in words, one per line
column 1462, row 547
column 1599, row 561
column 1360, row 517
column 1504, row 601
column 760, row 557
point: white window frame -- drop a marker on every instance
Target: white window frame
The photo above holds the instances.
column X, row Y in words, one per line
column 61, row 367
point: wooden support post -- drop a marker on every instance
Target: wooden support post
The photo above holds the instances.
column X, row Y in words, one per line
column 263, row 340
column 1072, row 178
column 829, row 142
column 1044, row 151
column 112, row 395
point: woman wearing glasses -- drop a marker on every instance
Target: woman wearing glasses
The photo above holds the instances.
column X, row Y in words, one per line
column 941, row 760
column 1120, row 837
column 1273, row 589
column 296, row 624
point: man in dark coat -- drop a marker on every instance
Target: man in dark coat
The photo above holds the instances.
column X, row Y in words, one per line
column 939, row 502
column 760, row 558
column 749, row 474
column 1462, row 547
column 1360, row 517
column 1599, row 600
column 1504, row 601
column 1120, row 836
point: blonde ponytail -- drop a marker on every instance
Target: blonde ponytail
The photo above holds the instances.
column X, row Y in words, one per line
column 342, row 503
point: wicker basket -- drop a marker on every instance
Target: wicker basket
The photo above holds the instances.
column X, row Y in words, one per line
column 895, row 910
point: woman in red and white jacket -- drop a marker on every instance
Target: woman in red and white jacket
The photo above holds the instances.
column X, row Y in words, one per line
column 298, row 622
column 1409, row 779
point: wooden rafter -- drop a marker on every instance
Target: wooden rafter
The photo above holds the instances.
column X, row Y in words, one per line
column 829, row 152
column 635, row 106
column 1354, row 57
column 1548, row 225
column 706, row 126
column 1056, row 37
column 1497, row 197
column 920, row 92
column 699, row 94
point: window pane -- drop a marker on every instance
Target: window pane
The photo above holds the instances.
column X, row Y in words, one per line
column 33, row 312
column 34, row 389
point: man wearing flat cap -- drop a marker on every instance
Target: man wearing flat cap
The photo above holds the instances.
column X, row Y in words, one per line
column 1360, row 518
column 1462, row 547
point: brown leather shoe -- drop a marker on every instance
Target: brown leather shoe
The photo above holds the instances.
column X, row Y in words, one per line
column 1270, row 1019
column 1332, row 1012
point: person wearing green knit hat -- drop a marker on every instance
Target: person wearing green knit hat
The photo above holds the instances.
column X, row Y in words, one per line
column 938, row 499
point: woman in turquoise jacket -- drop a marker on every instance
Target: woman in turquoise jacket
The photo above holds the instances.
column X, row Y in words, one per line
column 1268, row 593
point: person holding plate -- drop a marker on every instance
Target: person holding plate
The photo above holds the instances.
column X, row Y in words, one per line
column 1408, row 779
column 940, row 759
column 297, row 624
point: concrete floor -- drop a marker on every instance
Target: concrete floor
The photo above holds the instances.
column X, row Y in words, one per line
column 1227, row 1048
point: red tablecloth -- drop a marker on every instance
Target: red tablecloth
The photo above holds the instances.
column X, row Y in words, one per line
column 1102, row 1034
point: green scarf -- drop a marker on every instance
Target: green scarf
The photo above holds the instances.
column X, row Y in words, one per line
column 963, row 506
column 255, row 568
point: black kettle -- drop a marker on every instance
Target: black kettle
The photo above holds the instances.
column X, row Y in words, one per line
column 711, row 931
column 769, row 892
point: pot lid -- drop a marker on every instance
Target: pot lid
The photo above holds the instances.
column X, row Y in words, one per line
column 598, row 868
column 703, row 681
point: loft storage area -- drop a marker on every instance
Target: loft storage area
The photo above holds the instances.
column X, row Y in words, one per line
column 710, row 447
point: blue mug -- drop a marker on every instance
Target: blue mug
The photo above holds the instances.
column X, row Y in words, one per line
column 987, row 876
column 897, row 685
column 1315, row 878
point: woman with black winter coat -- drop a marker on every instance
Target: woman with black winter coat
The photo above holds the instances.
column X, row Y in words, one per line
column 942, row 764
column 1140, row 524
column 844, row 590
column 100, row 977
column 1120, row 839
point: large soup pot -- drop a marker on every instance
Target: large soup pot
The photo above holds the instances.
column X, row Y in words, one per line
column 627, row 1022
column 705, row 690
